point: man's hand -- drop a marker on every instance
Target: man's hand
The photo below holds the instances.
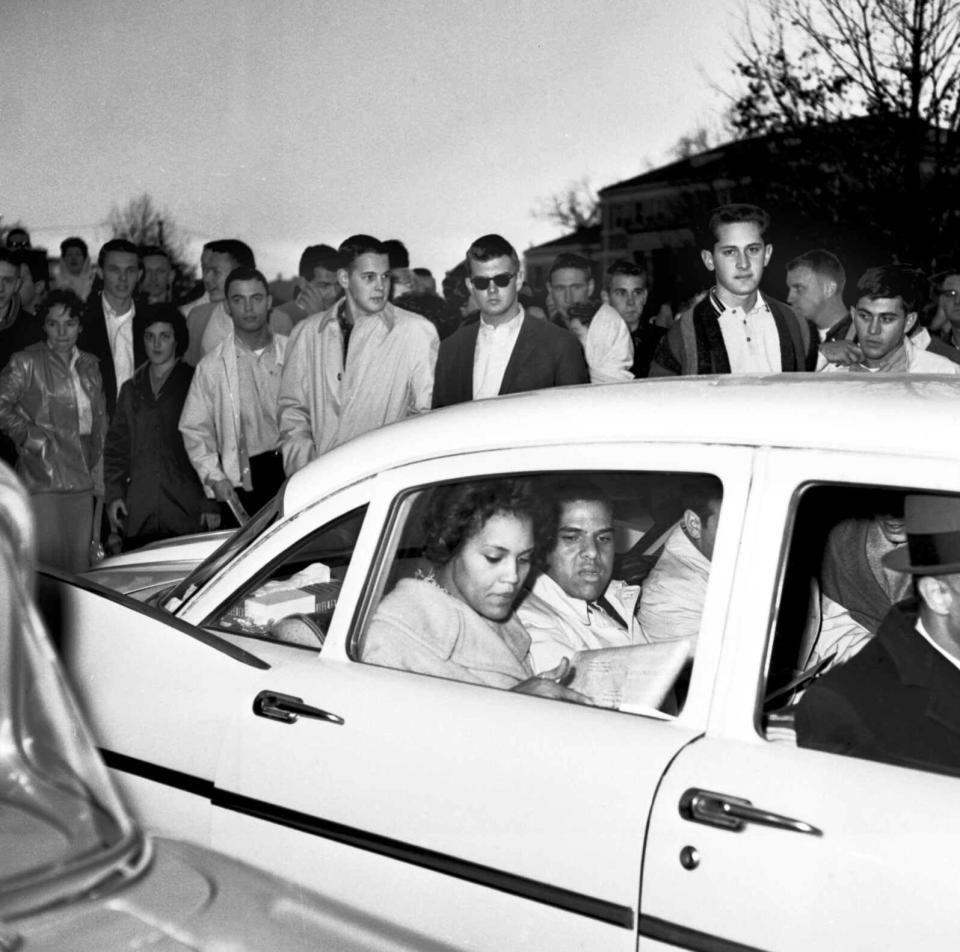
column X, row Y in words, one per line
column 209, row 520
column 842, row 352
column 223, row 491
column 116, row 514
column 310, row 300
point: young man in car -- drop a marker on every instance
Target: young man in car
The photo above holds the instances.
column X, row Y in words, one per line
column 356, row 366
column 506, row 350
column 735, row 328
column 885, row 313
column 898, row 700
column 575, row 604
column 229, row 418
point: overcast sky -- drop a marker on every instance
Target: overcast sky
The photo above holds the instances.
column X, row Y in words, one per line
column 298, row 121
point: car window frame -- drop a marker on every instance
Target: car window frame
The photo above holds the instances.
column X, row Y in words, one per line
column 731, row 464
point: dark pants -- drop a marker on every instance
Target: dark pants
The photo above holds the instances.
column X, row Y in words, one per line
column 267, row 476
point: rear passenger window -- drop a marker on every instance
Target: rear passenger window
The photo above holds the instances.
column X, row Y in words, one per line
column 581, row 586
column 294, row 600
column 861, row 661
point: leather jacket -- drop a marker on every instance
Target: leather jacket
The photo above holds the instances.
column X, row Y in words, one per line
column 38, row 410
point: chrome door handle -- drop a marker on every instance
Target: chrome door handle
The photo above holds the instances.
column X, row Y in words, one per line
column 732, row 813
column 289, row 709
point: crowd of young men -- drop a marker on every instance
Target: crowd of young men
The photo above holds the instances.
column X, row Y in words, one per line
column 367, row 341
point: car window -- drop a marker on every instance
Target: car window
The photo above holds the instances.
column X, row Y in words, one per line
column 850, row 671
column 294, row 598
column 593, row 581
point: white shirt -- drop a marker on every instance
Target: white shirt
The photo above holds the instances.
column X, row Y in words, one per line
column 607, row 345
column 924, row 633
column 751, row 339
column 120, row 335
column 495, row 344
column 560, row 625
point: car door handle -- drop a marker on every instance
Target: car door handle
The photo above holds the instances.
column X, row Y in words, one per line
column 289, row 709
column 733, row 813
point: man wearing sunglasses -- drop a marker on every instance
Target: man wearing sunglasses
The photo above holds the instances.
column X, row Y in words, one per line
column 506, row 351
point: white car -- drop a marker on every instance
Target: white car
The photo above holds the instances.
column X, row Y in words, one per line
column 77, row 874
column 235, row 708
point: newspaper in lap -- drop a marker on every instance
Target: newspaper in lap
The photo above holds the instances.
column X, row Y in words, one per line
column 635, row 678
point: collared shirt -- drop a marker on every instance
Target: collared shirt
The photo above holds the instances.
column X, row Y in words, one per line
column 925, row 634
column 495, row 344
column 258, row 376
column 750, row 337
column 907, row 358
column 84, row 407
column 560, row 625
column 120, row 335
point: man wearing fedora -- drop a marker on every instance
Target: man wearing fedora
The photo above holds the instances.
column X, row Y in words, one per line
column 898, row 700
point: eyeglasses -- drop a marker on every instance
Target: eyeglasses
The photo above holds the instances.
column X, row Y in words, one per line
column 500, row 280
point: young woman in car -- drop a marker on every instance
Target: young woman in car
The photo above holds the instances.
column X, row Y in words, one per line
column 458, row 620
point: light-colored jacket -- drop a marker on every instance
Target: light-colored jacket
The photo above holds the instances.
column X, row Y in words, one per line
column 210, row 421
column 389, row 376
column 420, row 627
column 39, row 412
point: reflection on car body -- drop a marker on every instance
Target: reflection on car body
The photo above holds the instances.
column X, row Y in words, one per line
column 493, row 819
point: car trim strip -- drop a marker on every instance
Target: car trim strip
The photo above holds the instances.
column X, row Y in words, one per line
column 685, row 938
column 165, row 775
column 521, row 886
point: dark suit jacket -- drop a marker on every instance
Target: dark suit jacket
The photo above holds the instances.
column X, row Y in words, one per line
column 544, row 356
column 94, row 340
column 898, row 701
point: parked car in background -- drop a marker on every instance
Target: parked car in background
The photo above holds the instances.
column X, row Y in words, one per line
column 234, row 707
column 76, row 871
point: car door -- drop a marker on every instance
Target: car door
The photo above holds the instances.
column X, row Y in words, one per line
column 832, row 851
column 482, row 817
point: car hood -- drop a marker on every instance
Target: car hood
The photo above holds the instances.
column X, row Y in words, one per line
column 145, row 571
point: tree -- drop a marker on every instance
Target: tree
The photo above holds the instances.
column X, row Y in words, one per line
column 873, row 89
column 576, row 206
column 143, row 223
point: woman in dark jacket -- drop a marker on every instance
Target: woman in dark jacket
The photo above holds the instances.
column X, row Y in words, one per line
column 52, row 407
column 152, row 490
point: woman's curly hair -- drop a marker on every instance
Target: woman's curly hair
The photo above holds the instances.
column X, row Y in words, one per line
column 460, row 510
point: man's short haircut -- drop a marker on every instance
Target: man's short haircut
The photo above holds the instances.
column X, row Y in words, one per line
column 489, row 247
column 318, row 256
column 244, row 273
column 627, row 268
column 697, row 492
column 733, row 214
column 36, row 261
column 74, row 242
column 397, row 252
column 153, row 251
column 162, row 313
column 239, row 251
column 892, row 281
column 69, row 300
column 18, row 230
column 357, row 245
column 822, row 262
column 568, row 260
column 120, row 245
column 570, row 489
column 423, row 272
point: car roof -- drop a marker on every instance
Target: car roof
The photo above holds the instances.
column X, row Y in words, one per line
column 904, row 414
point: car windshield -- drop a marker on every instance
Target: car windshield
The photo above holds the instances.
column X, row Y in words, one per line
column 63, row 829
column 230, row 549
